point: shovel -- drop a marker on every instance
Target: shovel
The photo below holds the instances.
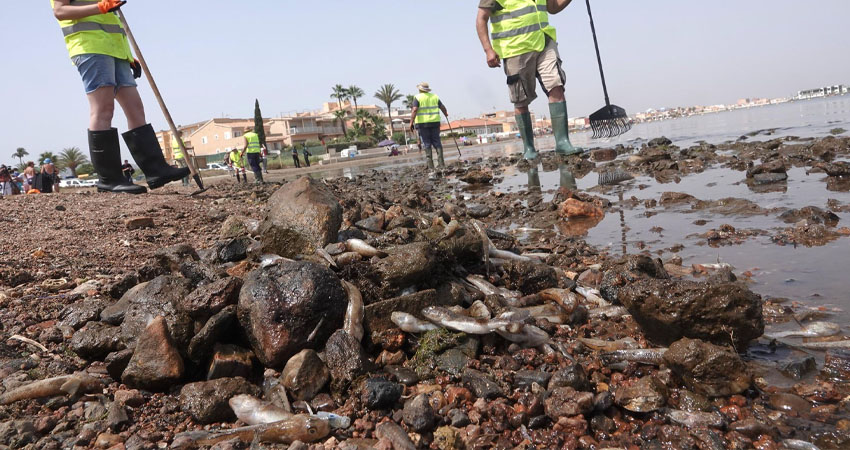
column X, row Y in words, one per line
column 176, row 135
column 611, row 120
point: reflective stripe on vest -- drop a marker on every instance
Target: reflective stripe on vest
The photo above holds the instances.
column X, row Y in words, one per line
column 175, row 149
column 100, row 34
column 253, row 142
column 520, row 27
column 429, row 108
column 236, row 159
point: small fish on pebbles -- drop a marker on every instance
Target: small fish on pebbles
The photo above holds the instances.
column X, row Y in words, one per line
column 654, row 356
column 71, row 385
column 812, row 330
column 409, row 323
column 453, row 321
column 353, row 323
column 254, row 411
column 363, row 249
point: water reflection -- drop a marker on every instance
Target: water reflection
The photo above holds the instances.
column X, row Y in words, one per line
column 568, row 181
column 533, row 180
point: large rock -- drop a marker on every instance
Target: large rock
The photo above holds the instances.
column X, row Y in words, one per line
column 156, row 365
column 217, row 327
column 96, row 340
column 567, row 402
column 407, row 265
column 206, row 401
column 77, row 314
column 529, row 277
column 303, row 216
column 305, row 375
column 157, row 297
column 280, row 307
column 211, row 298
column 667, row 310
column 346, row 359
column 708, row 369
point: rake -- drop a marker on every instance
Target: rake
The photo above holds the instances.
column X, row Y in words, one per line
column 611, row 120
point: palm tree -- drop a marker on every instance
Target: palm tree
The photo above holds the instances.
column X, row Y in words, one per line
column 20, row 153
column 340, row 115
column 339, row 93
column 72, row 158
column 48, row 155
column 388, row 94
column 354, row 92
column 408, row 101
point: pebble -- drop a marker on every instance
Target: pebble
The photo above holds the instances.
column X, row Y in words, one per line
column 135, row 223
column 381, row 393
column 418, row 414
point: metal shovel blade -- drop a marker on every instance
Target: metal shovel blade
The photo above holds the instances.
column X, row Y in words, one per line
column 610, row 121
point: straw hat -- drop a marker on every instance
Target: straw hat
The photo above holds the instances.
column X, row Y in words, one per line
column 423, row 87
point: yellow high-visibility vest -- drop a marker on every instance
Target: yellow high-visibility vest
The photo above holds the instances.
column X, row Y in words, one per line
column 520, row 27
column 429, row 108
column 101, row 34
column 236, row 159
column 175, row 149
column 253, row 142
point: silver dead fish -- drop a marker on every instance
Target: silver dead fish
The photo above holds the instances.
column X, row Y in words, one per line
column 72, row 385
column 254, row 411
column 353, row 324
column 696, row 419
column 409, row 323
column 642, row 355
column 360, row 247
column 592, row 295
column 448, row 319
column 528, row 336
column 609, row 346
column 814, row 329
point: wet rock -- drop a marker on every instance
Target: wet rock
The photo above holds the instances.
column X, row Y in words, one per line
column 403, row 375
column 230, row 361
column 789, row 402
column 662, row 141
column 217, row 327
column 117, row 362
column 481, row 385
column 812, row 214
column 769, row 178
column 136, row 223
column 303, row 216
column 693, row 402
column 529, row 277
column 116, row 416
column 567, row 402
column 675, row 198
column 464, row 246
column 526, row 378
column 572, row 376
column 281, row 306
column 836, row 169
column 206, row 401
column 209, row 299
column 76, row 315
column 458, row 418
column 797, row 368
column 574, row 208
column 200, row 273
column 305, row 375
column 380, row 393
column 452, row 361
column 646, row 395
column 345, row 358
column 96, row 340
column 377, row 315
column 837, row 366
column 157, row 298
column 233, row 250
column 668, row 310
column 708, row 369
column 476, row 177
column 603, row 154
column 418, row 414
column 114, row 313
column 751, row 428
column 156, row 365
column 407, row 265
column 478, row 211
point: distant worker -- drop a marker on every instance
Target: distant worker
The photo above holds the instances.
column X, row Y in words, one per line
column 237, row 163
column 98, row 47
column 252, row 151
column 425, row 117
column 265, row 160
column 179, row 157
column 128, row 170
column 522, row 37
column 306, row 152
column 295, row 157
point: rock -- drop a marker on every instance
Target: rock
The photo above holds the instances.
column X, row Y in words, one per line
column 403, row 375
column 114, row 313
column 567, row 402
column 230, row 361
column 280, row 307
column 525, row 378
column 418, row 414
column 305, row 375
column 233, row 250
column 782, row 401
column 769, row 178
column 206, row 401
column 646, row 395
column 377, row 315
column 200, row 273
column 662, row 141
column 836, row 169
column 345, row 359
column 116, row 416
column 481, row 385
column 530, row 277
column 135, row 223
column 668, row 310
column 675, row 198
column 836, row 366
column 603, row 154
column 380, row 393
column 129, row 397
column 691, row 401
column 170, row 258
column 117, row 362
column 452, row 361
column 209, row 299
column 234, row 227
column 217, row 327
column 478, row 211
column 476, row 177
column 157, row 298
column 574, row 208
column 372, row 224
column 107, row 440
column 401, row 222
column 798, row 367
column 812, row 214
column 464, row 246
column 572, row 376
column 776, row 166
column 96, row 340
column 407, row 265
column 303, row 216
column 708, row 369
column 448, row 438
column 156, row 365
column 591, row 278
column 77, row 314
column 458, row 418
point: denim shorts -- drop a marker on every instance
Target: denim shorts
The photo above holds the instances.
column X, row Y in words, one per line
column 103, row 70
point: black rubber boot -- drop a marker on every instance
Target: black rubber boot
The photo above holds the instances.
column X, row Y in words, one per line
column 146, row 151
column 258, row 177
column 105, row 152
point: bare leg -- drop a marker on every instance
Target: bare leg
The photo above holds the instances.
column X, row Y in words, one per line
column 556, row 95
column 101, row 108
column 134, row 109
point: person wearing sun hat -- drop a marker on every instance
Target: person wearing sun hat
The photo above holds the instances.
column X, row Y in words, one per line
column 425, row 117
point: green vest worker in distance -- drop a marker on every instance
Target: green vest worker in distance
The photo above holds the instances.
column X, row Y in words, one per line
column 520, row 34
column 425, row 117
column 179, row 157
column 98, row 47
column 253, row 150
column 237, row 162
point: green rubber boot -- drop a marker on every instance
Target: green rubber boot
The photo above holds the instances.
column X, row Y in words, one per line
column 563, row 146
column 429, row 161
column 568, row 181
column 526, row 130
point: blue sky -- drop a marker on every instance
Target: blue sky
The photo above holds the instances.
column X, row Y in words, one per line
column 217, row 59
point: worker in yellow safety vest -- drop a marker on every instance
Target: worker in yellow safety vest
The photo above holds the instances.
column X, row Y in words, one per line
column 425, row 117
column 237, row 163
column 521, row 37
column 98, row 47
column 179, row 157
column 253, row 152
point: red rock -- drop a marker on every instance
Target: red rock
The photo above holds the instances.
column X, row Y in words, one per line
column 577, row 208
column 135, row 223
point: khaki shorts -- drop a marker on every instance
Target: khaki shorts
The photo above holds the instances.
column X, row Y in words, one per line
column 524, row 70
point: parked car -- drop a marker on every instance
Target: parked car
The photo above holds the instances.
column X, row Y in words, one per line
column 216, row 166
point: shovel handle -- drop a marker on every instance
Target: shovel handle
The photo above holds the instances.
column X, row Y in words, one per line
column 598, row 57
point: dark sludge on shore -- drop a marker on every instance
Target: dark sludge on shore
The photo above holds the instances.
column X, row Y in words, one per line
column 400, row 310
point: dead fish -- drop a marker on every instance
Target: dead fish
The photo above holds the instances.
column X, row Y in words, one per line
column 335, row 420
column 485, row 243
column 409, row 323
column 270, row 260
column 504, row 254
column 316, row 330
column 395, row 434
column 611, row 312
column 479, row 310
column 360, row 247
column 482, row 285
column 814, row 329
column 326, row 256
column 450, row 230
column 695, row 419
column 826, row 345
column 564, row 298
column 796, row 444
column 301, row 427
column 653, row 356
column 609, row 346
column 348, row 258
column 72, row 385
column 448, row 319
column 353, row 324
column 528, row 336
column 254, row 411
column 702, row 268
column 592, row 295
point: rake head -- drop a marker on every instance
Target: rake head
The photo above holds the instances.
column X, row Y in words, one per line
column 612, row 177
column 610, row 121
